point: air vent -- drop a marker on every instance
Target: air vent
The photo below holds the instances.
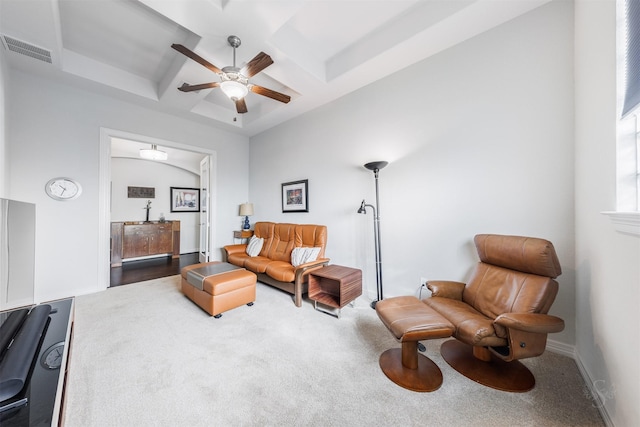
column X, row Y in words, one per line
column 24, row 48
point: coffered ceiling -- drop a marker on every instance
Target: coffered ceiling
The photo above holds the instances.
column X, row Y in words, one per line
column 322, row 49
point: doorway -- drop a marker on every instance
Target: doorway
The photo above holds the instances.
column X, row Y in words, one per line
column 149, row 269
column 106, row 199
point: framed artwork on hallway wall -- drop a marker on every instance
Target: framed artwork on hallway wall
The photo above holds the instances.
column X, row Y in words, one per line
column 295, row 196
column 141, row 192
column 185, row 199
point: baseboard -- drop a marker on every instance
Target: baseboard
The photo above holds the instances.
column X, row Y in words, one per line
column 596, row 395
column 561, row 348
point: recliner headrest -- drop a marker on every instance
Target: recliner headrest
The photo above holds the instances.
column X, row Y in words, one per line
column 525, row 254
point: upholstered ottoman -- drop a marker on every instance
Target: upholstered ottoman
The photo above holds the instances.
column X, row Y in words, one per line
column 218, row 286
column 410, row 321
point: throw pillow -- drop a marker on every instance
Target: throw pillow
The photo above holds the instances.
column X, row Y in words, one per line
column 303, row 255
column 255, row 246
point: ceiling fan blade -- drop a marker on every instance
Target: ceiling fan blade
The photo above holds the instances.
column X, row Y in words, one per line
column 270, row 93
column 241, row 106
column 200, row 60
column 257, row 64
column 190, row 88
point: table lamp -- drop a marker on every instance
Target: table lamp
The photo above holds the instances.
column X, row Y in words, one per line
column 246, row 210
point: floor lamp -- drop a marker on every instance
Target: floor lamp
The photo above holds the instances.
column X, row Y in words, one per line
column 375, row 167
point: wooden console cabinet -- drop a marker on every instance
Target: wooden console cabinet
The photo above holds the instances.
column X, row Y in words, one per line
column 142, row 239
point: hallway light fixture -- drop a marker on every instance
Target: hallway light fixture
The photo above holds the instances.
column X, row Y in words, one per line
column 375, row 167
column 153, row 153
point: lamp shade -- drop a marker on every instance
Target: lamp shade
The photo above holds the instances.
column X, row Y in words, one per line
column 376, row 166
column 246, row 209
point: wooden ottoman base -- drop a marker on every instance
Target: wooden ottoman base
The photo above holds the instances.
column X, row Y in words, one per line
column 410, row 320
column 221, row 292
column 425, row 377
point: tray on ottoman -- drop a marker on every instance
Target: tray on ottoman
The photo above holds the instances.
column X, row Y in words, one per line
column 217, row 287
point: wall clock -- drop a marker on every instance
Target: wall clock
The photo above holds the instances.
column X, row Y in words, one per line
column 52, row 357
column 63, row 188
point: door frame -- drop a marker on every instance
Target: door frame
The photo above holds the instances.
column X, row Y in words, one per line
column 104, row 193
column 205, row 215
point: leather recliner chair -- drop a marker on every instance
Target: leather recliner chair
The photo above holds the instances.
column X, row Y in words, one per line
column 500, row 316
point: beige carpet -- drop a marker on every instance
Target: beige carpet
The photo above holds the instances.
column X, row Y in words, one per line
column 144, row 355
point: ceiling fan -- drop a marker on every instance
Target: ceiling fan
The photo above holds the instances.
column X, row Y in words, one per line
column 234, row 81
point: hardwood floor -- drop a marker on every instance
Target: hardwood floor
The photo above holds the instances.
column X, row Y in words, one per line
column 138, row 271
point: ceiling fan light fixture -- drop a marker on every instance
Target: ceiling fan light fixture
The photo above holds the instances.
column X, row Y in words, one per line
column 234, row 90
column 234, row 82
column 153, row 153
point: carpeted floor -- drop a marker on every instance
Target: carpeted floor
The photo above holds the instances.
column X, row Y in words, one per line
column 144, row 355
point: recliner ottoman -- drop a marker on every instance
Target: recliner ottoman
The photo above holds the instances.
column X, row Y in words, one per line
column 217, row 286
column 410, row 320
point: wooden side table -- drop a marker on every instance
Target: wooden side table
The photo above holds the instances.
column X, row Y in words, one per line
column 243, row 234
column 334, row 286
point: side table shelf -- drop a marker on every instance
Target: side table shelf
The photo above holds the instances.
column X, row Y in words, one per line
column 334, row 286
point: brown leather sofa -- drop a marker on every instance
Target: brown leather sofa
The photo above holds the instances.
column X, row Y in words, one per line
column 273, row 264
column 501, row 314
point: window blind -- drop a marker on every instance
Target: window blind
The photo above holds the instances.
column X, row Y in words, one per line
column 632, row 90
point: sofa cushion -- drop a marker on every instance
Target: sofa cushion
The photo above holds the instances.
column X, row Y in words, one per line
column 264, row 230
column 281, row 270
column 257, row 264
column 311, row 235
column 238, row 258
column 283, row 242
column 255, row 246
column 301, row 256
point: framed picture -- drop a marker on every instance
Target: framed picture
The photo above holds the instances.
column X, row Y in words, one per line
column 295, row 196
column 185, row 199
column 141, row 192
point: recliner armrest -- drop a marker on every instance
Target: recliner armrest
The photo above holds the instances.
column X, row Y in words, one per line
column 446, row 289
column 235, row 249
column 531, row 322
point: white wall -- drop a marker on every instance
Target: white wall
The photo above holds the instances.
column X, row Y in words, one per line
column 607, row 262
column 479, row 140
column 55, row 131
column 144, row 173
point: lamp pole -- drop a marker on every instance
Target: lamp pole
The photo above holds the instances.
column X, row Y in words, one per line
column 375, row 167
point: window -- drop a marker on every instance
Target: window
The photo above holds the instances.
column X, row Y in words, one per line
column 628, row 176
column 626, row 218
